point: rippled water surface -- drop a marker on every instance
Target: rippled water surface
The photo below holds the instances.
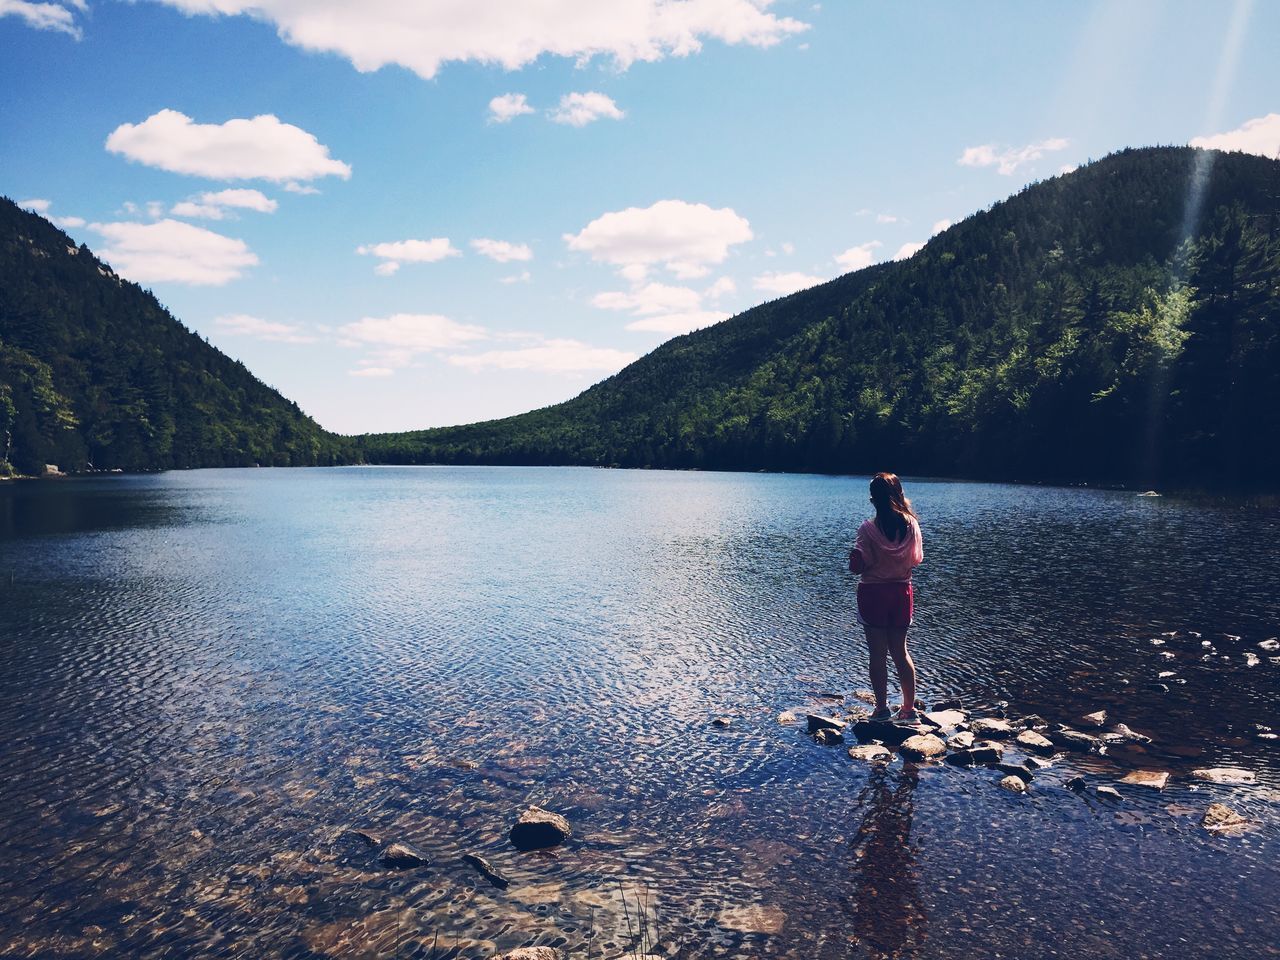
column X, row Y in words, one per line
column 207, row 677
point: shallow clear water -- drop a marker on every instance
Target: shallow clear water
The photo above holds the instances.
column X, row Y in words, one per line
column 207, row 676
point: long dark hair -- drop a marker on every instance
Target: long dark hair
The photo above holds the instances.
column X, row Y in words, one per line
column 893, row 509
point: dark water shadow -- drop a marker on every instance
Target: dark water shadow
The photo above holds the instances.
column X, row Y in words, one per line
column 884, row 902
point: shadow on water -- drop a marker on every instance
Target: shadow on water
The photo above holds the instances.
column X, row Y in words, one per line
column 885, row 903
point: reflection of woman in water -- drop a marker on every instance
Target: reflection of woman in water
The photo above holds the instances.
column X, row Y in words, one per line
column 889, row 545
column 885, row 901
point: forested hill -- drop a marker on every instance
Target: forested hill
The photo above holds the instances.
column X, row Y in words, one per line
column 94, row 372
column 1120, row 323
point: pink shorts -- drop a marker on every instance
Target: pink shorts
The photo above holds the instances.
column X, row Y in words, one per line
column 885, row 604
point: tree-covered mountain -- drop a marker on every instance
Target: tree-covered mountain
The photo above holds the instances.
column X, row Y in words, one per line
column 1119, row 323
column 95, row 373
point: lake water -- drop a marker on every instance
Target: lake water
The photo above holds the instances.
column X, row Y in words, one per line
column 207, row 676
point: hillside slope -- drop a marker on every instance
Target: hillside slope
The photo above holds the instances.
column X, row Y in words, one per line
column 94, row 372
column 1120, row 323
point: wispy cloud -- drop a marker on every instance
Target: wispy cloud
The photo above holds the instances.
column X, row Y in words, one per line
column 244, row 325
column 507, row 107
column 579, row 109
column 1007, row 160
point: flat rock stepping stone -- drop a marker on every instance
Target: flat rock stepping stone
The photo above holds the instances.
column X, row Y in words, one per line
column 402, row 856
column 946, row 719
column 991, row 727
column 1221, row 817
column 1034, row 741
column 1224, row 775
column 923, row 747
column 871, row 753
column 887, row 732
column 1013, row 784
column 1123, row 731
column 537, row 828
column 819, row 722
column 1155, row 779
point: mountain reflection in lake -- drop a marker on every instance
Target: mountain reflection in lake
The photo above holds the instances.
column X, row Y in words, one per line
column 208, row 676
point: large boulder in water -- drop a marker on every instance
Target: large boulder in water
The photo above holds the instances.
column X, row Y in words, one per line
column 537, row 828
column 887, row 732
column 1030, row 740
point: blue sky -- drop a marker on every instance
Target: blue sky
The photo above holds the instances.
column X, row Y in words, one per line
column 310, row 185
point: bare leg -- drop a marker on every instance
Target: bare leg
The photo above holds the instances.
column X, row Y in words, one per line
column 896, row 640
column 878, row 648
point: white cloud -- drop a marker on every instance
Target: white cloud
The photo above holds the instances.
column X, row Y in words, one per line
column 501, row 250
column 781, row 284
column 908, row 250
column 722, row 287
column 261, row 148
column 524, row 276
column 940, row 225
column 855, row 258
column 788, row 248
column 548, row 356
column 244, row 325
column 170, row 251
column 408, row 251
column 649, row 299
column 1009, row 159
column 68, row 221
column 304, row 188
column 511, row 33
column 678, row 323
column 399, row 337
column 886, row 218
column 1261, row 135
column 507, row 107
column 1067, row 168
column 37, row 204
column 371, row 372
column 213, row 205
column 579, row 109
column 687, row 238
column 43, row 16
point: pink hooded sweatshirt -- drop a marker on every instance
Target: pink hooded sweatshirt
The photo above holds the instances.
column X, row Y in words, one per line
column 880, row 560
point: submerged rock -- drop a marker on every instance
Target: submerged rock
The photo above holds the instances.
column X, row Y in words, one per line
column 531, row 953
column 487, row 870
column 368, row 839
column 819, row 722
column 871, row 753
column 952, row 703
column 721, row 722
column 923, row 747
column 828, row 737
column 1075, row 784
column 1155, row 779
column 1221, row 817
column 537, row 828
column 1031, row 740
column 402, row 856
column 1013, row 784
column 1016, row 770
column 1225, row 775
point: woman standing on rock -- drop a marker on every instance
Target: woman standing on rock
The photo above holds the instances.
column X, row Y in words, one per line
column 888, row 547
